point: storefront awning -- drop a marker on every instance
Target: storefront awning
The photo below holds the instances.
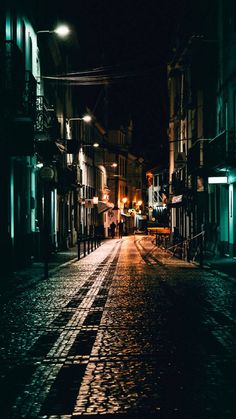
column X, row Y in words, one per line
column 104, row 206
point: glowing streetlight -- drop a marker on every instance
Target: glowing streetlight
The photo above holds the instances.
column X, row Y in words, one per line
column 85, row 118
column 95, row 145
column 140, row 203
column 124, row 200
column 61, row 30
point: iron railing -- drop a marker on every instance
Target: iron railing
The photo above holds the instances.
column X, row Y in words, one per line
column 190, row 249
column 47, row 126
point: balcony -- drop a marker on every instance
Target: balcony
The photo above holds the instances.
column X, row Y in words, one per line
column 47, row 130
column 47, row 126
column 221, row 151
column 196, row 161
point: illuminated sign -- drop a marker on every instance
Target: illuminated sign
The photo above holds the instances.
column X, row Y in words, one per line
column 176, row 199
column 217, row 179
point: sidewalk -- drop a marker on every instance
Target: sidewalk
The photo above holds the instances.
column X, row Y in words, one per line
column 225, row 265
column 31, row 275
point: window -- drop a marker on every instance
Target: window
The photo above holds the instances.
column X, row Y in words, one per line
column 122, row 166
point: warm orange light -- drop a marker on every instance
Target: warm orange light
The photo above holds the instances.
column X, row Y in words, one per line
column 124, row 200
column 140, row 203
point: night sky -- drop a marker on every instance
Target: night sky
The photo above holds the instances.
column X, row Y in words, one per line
column 131, row 39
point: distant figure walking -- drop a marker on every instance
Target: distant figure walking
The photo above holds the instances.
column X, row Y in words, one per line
column 112, row 228
column 121, row 229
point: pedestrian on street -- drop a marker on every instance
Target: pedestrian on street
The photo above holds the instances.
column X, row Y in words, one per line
column 112, row 229
column 121, row 229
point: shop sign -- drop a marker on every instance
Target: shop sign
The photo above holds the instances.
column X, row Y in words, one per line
column 177, row 199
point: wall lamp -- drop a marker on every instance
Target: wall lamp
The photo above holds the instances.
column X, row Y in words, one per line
column 61, row 30
column 95, row 145
column 85, row 118
column 108, row 164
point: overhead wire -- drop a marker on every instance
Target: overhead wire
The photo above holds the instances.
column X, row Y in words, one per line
column 101, row 75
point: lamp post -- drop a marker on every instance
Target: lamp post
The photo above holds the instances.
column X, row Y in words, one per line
column 79, row 143
column 47, row 173
column 47, row 176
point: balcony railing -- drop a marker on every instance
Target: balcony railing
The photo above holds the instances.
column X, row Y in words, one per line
column 197, row 156
column 221, row 151
column 47, row 126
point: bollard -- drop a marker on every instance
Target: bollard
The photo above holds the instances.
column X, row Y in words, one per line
column 201, row 251
column 78, row 247
column 84, row 246
column 188, row 250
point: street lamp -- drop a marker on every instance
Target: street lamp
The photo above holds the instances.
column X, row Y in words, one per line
column 61, row 30
column 110, row 164
column 95, row 145
column 85, row 118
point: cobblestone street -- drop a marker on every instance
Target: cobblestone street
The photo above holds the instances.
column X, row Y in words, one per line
column 128, row 331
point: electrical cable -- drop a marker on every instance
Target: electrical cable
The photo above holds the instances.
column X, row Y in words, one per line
column 101, row 75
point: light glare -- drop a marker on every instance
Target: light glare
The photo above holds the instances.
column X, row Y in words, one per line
column 62, row 30
column 87, row 118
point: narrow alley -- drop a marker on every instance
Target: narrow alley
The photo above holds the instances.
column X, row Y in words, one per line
column 127, row 332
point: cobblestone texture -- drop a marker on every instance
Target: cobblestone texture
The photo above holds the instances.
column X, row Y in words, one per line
column 128, row 331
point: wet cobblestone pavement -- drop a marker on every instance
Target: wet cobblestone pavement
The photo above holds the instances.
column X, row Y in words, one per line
column 127, row 332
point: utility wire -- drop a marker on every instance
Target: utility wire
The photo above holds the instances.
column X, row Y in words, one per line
column 100, row 76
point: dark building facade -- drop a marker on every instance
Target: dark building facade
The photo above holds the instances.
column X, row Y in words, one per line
column 202, row 131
